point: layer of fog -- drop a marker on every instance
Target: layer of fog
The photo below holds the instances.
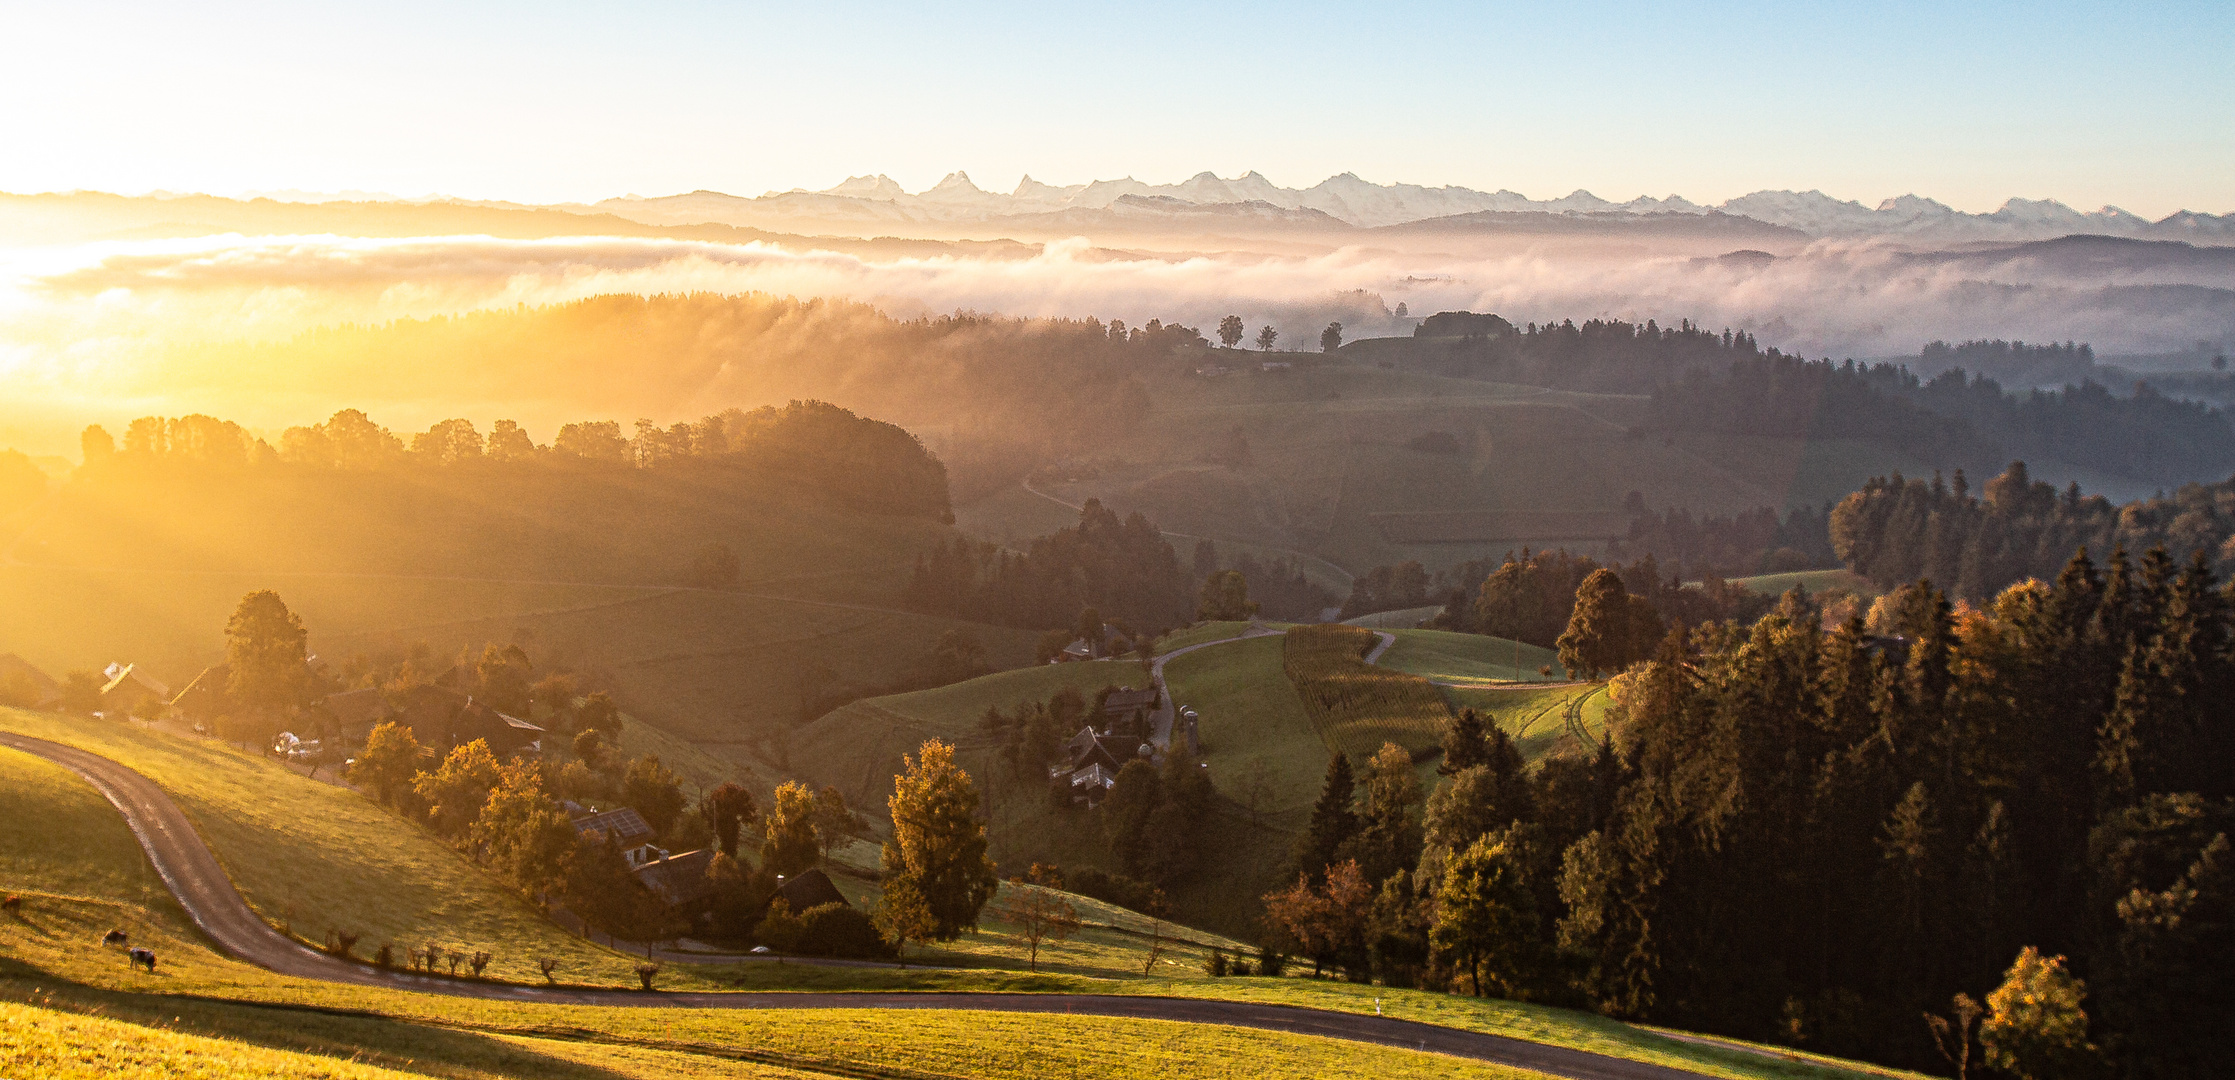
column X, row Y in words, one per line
column 92, row 322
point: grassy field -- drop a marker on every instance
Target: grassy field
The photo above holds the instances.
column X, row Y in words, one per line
column 309, row 856
column 58, row 835
column 64, row 1046
column 1536, row 717
column 1445, row 656
column 1403, row 619
column 44, row 959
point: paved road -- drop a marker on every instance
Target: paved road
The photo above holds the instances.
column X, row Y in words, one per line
column 1160, row 722
column 202, row 888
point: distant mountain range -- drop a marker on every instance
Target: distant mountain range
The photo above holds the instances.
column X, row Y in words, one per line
column 1347, row 202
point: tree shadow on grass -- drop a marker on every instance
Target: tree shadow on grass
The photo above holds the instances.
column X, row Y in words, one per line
column 365, row 1038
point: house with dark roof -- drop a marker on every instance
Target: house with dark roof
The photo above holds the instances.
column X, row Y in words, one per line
column 1128, row 711
column 356, row 712
column 810, row 888
column 679, row 881
column 1092, row 761
column 27, row 685
column 207, row 697
column 625, row 829
column 443, row 718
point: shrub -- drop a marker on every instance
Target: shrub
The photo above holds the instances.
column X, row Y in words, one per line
column 1270, row 963
column 1214, row 965
column 344, row 943
column 780, row 929
column 478, row 961
column 386, row 957
column 1238, row 967
column 840, row 930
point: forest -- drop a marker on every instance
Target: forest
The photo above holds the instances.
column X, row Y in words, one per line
column 1124, row 569
column 1728, row 383
column 1898, row 529
column 1819, row 837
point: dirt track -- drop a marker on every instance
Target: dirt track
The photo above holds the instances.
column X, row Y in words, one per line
column 194, row 876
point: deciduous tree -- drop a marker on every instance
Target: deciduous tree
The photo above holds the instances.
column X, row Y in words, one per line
column 1040, row 916
column 457, row 790
column 1225, row 597
column 265, row 650
column 390, row 758
column 789, row 845
column 938, row 845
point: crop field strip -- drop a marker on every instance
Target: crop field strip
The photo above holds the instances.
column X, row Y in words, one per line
column 1355, row 706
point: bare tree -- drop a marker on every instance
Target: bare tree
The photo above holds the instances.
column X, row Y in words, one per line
column 1951, row 1034
column 1040, row 915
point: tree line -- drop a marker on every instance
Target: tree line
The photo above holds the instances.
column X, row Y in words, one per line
column 866, row 463
column 1123, row 568
column 1729, row 383
column 1822, row 837
column 1531, row 597
column 1897, row 529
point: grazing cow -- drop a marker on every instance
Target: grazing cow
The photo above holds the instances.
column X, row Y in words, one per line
column 115, row 937
column 143, row 958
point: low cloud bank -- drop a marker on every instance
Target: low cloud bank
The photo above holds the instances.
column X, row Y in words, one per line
column 97, row 318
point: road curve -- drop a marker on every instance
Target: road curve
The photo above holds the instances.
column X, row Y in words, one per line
column 208, row 896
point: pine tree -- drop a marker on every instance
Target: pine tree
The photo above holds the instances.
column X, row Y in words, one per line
column 1463, row 744
column 1333, row 821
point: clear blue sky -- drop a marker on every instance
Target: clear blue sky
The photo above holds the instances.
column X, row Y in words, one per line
column 2132, row 104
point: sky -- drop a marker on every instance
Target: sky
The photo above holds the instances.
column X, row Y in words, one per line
column 2130, row 104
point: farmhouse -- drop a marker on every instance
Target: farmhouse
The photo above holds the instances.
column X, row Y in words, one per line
column 1092, row 761
column 679, row 881
column 205, row 699
column 356, row 712
column 1128, row 710
column 1104, row 647
column 442, row 718
column 809, row 888
column 133, row 692
column 623, row 827
column 27, row 686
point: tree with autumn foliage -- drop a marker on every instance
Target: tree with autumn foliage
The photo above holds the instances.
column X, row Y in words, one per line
column 937, row 877
column 1327, row 921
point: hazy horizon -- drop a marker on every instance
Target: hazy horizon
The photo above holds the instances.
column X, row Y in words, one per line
column 2092, row 105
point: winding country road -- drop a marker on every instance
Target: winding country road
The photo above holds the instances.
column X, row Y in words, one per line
column 194, row 876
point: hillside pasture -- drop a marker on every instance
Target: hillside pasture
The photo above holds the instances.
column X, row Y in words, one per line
column 313, row 856
column 1447, row 657
column 1536, row 717
column 45, row 953
column 858, row 747
column 58, row 835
